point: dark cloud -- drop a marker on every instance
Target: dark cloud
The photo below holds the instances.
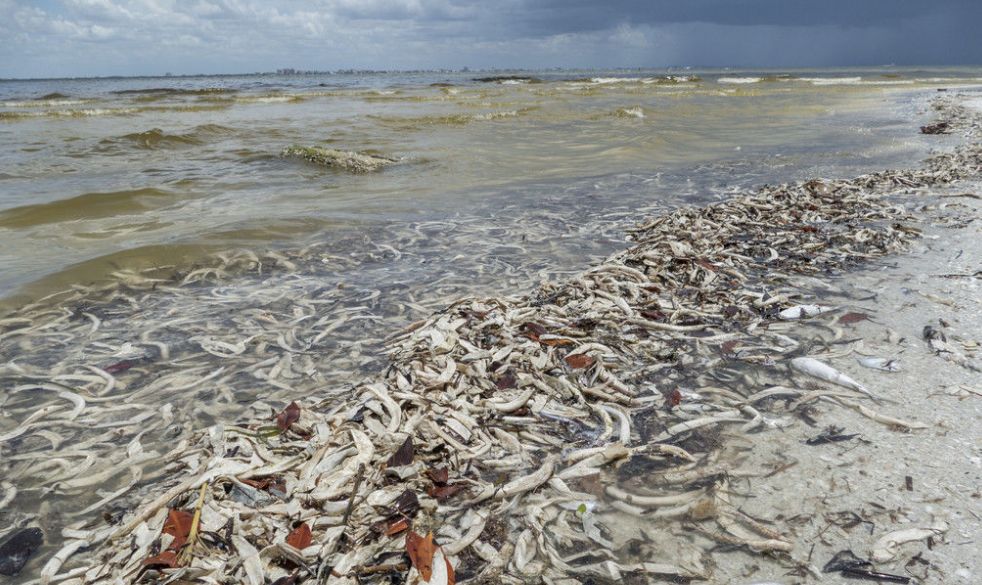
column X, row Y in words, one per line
column 79, row 37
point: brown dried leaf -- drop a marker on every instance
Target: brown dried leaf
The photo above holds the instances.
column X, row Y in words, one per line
column 579, row 361
column 654, row 315
column 290, row 415
column 730, row 345
column 533, row 330
column 396, row 527
column 404, row 455
column 556, row 341
column 407, row 504
column 438, row 476
column 445, row 492
column 301, row 537
column 850, row 318
column 166, row 559
column 506, row 381
column 420, row 550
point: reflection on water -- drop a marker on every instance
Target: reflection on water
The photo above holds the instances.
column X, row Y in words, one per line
column 106, row 168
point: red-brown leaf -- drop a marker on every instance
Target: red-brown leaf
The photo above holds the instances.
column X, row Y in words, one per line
column 404, row 455
column 556, row 341
column 166, row 559
column 579, row 361
column 438, row 476
column 445, row 492
column 451, row 578
column 420, row 550
column 674, row 398
column 730, row 345
column 533, row 330
column 506, row 381
column 290, row 415
column 178, row 525
column 300, row 538
column 653, row 315
column 397, row 527
column 850, row 318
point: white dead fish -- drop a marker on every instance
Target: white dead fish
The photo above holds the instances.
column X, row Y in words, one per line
column 887, row 547
column 878, row 363
column 817, row 369
column 803, row 312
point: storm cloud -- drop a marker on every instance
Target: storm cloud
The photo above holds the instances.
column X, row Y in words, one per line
column 115, row 37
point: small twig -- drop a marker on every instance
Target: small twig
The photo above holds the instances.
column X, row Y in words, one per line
column 187, row 552
column 354, row 493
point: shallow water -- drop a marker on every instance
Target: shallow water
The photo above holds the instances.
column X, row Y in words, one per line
column 498, row 187
column 110, row 173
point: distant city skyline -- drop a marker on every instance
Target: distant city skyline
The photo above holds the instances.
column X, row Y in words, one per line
column 73, row 38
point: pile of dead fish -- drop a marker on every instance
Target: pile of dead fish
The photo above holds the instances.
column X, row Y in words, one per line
column 557, row 436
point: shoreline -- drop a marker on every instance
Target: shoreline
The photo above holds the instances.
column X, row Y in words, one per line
column 539, row 388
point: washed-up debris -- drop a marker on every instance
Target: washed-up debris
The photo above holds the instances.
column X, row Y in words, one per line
column 849, row 565
column 18, row 549
column 878, row 363
column 831, row 434
column 936, row 128
column 822, row 371
column 887, row 547
column 354, row 162
column 531, row 403
column 803, row 311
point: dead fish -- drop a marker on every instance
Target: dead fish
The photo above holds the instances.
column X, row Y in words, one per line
column 878, row 363
column 803, row 312
column 817, row 369
column 15, row 552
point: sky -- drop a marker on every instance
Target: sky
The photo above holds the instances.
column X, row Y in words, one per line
column 61, row 38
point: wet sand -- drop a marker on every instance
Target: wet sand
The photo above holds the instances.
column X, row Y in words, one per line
column 848, row 495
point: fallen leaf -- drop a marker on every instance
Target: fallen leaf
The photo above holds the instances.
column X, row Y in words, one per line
column 300, row 538
column 119, row 367
column 442, row 569
column 579, row 361
column 556, row 341
column 506, row 381
column 178, row 525
column 404, row 455
column 730, row 345
column 850, row 318
column 674, row 398
column 290, row 415
column 533, row 330
column 445, row 492
column 653, row 315
column 438, row 476
column 166, row 559
column 397, row 527
column 407, row 504
column 420, row 550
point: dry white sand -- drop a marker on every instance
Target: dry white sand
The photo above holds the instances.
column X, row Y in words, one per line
column 828, row 487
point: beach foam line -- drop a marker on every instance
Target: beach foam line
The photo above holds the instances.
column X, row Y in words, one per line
column 739, row 80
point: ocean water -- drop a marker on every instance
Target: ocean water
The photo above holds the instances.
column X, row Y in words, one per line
column 98, row 174
column 161, row 259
